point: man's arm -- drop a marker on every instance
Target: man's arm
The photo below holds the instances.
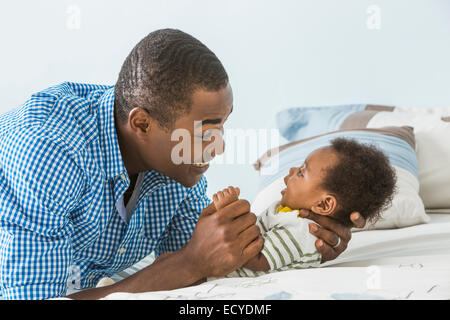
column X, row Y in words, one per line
column 235, row 240
column 169, row 273
column 40, row 183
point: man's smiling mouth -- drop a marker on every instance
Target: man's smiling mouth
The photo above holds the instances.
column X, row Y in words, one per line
column 200, row 164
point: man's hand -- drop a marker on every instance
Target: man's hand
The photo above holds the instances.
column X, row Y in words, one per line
column 329, row 231
column 223, row 240
column 258, row 263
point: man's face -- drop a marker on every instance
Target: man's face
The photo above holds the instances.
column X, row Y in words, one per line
column 303, row 184
column 209, row 110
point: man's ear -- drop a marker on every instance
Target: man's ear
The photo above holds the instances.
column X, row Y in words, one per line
column 139, row 120
column 326, row 205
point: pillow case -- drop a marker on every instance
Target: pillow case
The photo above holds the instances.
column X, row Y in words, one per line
column 431, row 128
column 396, row 142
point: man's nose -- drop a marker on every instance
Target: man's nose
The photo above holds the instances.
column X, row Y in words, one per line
column 219, row 147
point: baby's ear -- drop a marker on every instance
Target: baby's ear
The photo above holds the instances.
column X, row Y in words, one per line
column 326, row 206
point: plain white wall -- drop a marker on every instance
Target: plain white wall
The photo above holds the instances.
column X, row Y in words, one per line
column 277, row 53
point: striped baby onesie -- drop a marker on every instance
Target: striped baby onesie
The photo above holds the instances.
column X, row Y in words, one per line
column 288, row 244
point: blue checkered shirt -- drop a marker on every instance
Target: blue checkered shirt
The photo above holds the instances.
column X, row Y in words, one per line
column 61, row 176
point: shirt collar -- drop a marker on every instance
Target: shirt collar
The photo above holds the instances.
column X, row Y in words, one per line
column 109, row 143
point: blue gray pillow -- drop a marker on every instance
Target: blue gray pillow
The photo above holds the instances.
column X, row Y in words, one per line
column 397, row 143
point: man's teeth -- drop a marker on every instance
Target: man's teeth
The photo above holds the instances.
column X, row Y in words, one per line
column 200, row 164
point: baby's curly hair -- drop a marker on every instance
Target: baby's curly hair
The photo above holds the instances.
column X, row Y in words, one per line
column 363, row 180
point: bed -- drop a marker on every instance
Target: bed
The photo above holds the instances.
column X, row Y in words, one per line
column 406, row 256
column 406, row 263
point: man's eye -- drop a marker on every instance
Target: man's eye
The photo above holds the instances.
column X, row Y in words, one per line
column 206, row 136
column 203, row 137
column 300, row 173
column 210, row 133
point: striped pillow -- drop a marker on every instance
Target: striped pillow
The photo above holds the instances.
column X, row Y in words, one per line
column 431, row 128
column 396, row 142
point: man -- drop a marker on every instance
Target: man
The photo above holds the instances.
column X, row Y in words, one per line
column 88, row 186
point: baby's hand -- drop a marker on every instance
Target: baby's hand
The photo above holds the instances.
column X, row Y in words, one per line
column 225, row 197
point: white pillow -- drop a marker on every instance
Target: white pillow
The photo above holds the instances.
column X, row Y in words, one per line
column 442, row 112
column 407, row 207
column 432, row 149
column 431, row 126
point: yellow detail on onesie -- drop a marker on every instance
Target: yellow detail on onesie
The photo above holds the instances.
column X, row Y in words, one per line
column 283, row 209
column 287, row 209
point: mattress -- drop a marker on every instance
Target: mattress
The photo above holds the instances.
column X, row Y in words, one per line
column 406, row 263
column 367, row 247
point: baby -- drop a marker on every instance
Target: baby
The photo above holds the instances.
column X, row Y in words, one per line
column 336, row 180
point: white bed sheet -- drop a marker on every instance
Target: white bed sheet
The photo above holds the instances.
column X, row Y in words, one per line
column 367, row 247
column 407, row 263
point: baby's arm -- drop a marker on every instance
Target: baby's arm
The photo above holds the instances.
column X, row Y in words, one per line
column 225, row 197
column 222, row 199
column 259, row 262
column 287, row 241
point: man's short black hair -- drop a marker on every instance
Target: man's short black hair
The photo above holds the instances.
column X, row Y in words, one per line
column 362, row 180
column 161, row 73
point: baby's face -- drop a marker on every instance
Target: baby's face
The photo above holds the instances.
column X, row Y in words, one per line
column 303, row 184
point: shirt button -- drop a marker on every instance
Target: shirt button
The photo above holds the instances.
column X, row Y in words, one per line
column 121, row 250
column 123, row 176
